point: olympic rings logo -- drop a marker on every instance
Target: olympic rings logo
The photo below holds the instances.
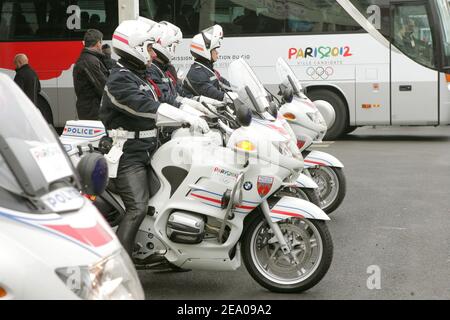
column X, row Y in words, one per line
column 320, row 72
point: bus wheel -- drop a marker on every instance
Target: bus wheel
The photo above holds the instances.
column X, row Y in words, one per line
column 45, row 110
column 350, row 129
column 340, row 125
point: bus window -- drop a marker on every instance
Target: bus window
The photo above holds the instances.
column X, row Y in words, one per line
column 28, row 20
column 412, row 33
column 236, row 19
column 320, row 16
column 17, row 20
column 157, row 10
column 147, row 9
column 377, row 12
column 187, row 19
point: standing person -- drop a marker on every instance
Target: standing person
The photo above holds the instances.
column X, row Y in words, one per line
column 89, row 76
column 107, row 60
column 129, row 110
column 202, row 79
column 26, row 78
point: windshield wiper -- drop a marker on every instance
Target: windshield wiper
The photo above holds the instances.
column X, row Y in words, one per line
column 14, row 165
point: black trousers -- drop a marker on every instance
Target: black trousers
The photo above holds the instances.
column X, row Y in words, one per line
column 132, row 186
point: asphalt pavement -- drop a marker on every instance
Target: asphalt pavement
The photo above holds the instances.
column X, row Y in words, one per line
column 391, row 234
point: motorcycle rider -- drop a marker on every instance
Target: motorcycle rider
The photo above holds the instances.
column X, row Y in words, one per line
column 162, row 74
column 202, row 79
column 129, row 110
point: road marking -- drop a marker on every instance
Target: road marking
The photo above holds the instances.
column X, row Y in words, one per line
column 325, row 144
column 320, row 146
column 391, row 228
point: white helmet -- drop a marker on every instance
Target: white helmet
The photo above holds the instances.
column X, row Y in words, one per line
column 132, row 37
column 171, row 37
column 205, row 41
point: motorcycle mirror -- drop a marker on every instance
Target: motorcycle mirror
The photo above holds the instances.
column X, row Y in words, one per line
column 273, row 109
column 287, row 93
column 93, row 170
column 243, row 114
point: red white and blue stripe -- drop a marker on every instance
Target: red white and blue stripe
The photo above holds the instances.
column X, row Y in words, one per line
column 87, row 238
column 215, row 200
column 280, row 212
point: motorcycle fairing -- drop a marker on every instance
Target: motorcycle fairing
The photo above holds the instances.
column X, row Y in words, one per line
column 289, row 207
column 319, row 158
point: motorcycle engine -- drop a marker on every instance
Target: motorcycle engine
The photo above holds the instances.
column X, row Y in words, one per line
column 186, row 227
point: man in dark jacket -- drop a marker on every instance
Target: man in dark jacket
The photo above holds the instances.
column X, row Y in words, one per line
column 89, row 76
column 129, row 111
column 26, row 78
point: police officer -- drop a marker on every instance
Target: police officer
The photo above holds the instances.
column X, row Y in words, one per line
column 159, row 74
column 162, row 74
column 129, row 109
column 202, row 79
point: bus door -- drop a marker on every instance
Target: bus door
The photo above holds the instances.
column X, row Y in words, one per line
column 414, row 85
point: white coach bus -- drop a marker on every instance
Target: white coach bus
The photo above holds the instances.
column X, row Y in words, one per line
column 378, row 62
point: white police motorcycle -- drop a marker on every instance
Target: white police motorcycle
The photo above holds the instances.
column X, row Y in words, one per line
column 309, row 121
column 54, row 243
column 214, row 204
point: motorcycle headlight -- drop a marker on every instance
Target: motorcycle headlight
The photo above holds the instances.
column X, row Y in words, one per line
column 246, row 145
column 113, row 278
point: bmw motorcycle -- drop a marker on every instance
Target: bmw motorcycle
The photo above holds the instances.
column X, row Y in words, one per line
column 215, row 203
column 309, row 125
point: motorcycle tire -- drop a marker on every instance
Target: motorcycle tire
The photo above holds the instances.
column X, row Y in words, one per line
column 310, row 195
column 275, row 283
column 336, row 201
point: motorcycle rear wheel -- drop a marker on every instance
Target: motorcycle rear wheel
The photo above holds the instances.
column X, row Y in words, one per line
column 310, row 243
column 310, row 195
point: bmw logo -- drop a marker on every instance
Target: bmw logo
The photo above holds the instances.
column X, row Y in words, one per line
column 248, row 185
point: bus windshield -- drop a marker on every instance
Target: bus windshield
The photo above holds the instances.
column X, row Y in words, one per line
column 444, row 12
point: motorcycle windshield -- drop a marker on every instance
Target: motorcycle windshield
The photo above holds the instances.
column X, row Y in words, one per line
column 287, row 76
column 248, row 87
column 30, row 156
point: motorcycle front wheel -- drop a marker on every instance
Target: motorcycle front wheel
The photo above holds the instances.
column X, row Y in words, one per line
column 309, row 260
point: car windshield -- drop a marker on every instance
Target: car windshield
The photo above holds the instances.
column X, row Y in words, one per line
column 31, row 157
column 248, row 87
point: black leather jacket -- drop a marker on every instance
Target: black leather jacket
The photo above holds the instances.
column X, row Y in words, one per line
column 205, row 81
column 129, row 102
column 89, row 78
column 163, row 83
